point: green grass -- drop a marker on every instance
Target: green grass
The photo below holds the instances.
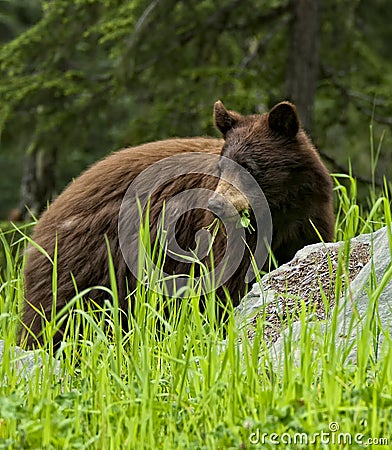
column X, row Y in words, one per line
column 183, row 381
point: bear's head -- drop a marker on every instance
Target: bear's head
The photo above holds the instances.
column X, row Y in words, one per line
column 272, row 147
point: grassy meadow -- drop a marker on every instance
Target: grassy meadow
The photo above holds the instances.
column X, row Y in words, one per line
column 185, row 381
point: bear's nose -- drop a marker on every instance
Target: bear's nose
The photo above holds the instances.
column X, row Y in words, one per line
column 215, row 205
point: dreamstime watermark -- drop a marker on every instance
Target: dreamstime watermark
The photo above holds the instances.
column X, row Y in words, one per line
column 332, row 436
column 171, row 191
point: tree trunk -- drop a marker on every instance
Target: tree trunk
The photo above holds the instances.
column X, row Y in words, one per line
column 303, row 57
column 38, row 181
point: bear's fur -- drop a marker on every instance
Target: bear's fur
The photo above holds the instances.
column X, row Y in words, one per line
column 272, row 146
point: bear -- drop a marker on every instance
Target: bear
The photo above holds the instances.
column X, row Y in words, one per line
column 83, row 221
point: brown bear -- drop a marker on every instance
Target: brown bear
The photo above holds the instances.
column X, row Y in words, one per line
column 84, row 220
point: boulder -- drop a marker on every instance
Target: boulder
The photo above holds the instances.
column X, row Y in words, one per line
column 357, row 273
column 24, row 363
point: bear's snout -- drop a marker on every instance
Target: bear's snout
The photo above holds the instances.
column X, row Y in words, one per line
column 215, row 204
column 226, row 194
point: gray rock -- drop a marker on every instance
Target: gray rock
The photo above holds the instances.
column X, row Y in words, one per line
column 25, row 363
column 353, row 307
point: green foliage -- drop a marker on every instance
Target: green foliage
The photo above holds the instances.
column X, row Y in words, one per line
column 176, row 381
column 16, row 16
column 82, row 78
column 353, row 88
column 244, row 221
column 10, row 250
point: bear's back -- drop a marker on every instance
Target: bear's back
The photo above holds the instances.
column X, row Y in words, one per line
column 78, row 221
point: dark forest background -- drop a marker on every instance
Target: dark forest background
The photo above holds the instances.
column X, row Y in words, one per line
column 82, row 78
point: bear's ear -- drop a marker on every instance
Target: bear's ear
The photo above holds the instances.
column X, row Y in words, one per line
column 224, row 120
column 283, row 119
